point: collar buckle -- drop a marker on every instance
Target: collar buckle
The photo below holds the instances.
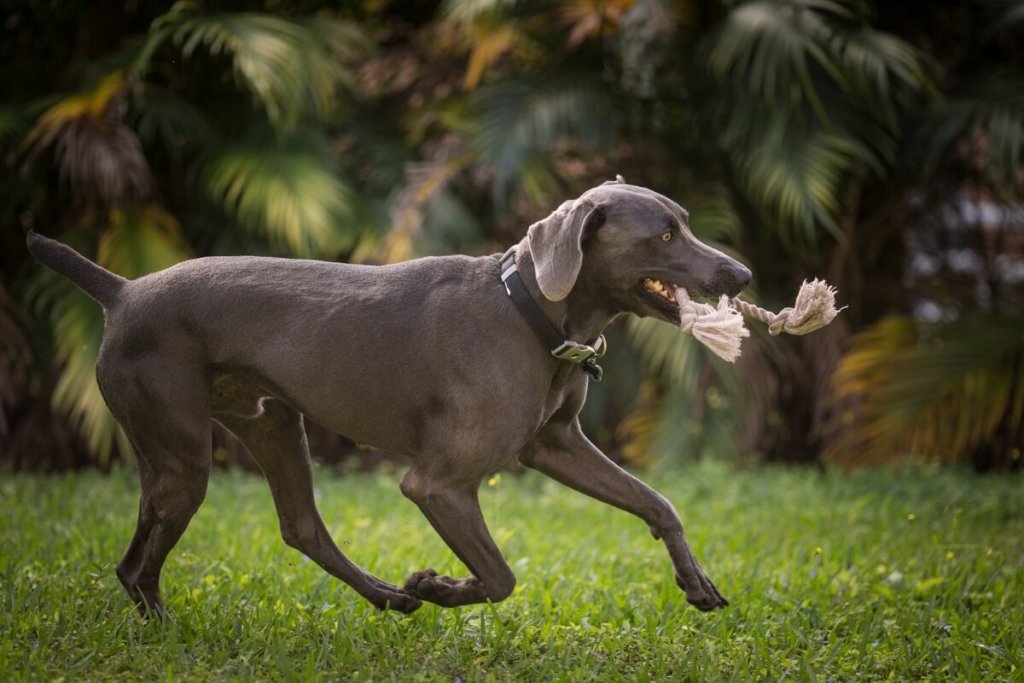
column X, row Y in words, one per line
column 574, row 352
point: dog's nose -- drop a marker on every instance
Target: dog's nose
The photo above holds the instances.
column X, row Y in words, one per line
column 742, row 275
column 733, row 277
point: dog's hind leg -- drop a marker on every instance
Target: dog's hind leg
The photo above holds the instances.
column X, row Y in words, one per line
column 167, row 418
column 275, row 435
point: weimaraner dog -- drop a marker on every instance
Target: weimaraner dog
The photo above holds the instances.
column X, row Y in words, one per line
column 433, row 358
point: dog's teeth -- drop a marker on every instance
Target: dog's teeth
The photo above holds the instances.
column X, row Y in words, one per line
column 658, row 287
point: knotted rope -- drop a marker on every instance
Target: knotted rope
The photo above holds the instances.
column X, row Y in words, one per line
column 721, row 327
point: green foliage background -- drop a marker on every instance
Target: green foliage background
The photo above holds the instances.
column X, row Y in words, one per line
column 808, row 138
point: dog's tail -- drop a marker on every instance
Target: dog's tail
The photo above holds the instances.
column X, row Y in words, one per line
column 95, row 281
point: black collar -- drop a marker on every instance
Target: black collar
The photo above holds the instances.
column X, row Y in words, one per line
column 561, row 348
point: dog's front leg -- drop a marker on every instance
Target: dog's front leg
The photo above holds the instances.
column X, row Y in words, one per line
column 564, row 453
column 453, row 510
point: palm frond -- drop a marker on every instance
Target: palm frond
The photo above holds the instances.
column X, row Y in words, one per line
column 665, row 350
column 291, row 67
column 900, row 393
column 797, row 178
column 517, row 119
column 701, row 405
column 289, row 191
column 766, row 46
column 714, row 220
column 164, row 119
column 97, row 155
column 141, row 240
column 788, row 52
column 989, row 116
column 872, row 64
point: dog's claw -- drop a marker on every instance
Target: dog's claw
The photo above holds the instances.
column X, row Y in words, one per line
column 403, row 602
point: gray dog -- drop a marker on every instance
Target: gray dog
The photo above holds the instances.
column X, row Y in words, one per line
column 434, row 358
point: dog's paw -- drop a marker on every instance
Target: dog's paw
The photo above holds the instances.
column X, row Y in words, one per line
column 416, row 578
column 705, row 596
column 397, row 599
column 706, row 602
column 441, row 590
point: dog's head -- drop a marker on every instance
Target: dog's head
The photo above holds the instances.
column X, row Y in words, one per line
column 636, row 245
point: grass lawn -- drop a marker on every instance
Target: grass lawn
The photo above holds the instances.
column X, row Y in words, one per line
column 876, row 575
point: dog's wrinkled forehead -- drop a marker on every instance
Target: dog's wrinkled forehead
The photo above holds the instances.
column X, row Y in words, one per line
column 615, row 191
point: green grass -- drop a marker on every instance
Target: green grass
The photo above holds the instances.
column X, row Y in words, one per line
column 874, row 576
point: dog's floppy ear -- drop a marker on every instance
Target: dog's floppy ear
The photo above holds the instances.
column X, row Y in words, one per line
column 556, row 244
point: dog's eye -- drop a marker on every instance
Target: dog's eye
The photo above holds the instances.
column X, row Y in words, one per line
column 667, row 236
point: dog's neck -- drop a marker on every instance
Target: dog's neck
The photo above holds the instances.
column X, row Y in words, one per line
column 581, row 316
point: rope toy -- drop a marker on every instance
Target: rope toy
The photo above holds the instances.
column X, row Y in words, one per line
column 721, row 327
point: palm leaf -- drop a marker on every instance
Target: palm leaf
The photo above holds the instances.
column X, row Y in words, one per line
column 777, row 48
column 291, row 67
column 872, row 64
column 939, row 397
column 988, row 113
column 141, row 240
column 766, row 47
column 812, row 98
column 97, row 155
column 518, row 119
column 796, row 178
column 290, row 192
column 161, row 118
column 714, row 220
column 699, row 405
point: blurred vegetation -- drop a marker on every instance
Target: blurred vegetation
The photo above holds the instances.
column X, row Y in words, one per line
column 875, row 144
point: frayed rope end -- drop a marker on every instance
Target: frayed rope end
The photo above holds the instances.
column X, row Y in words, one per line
column 815, row 307
column 720, row 328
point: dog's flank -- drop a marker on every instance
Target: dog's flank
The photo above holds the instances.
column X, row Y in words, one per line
column 429, row 358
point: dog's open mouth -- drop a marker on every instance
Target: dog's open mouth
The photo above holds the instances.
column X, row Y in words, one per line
column 661, row 296
column 660, row 289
